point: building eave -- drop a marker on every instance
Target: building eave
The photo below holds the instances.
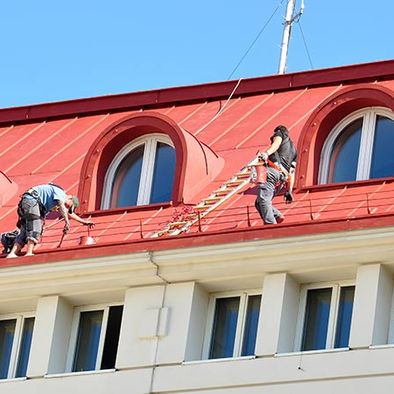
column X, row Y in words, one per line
column 203, row 239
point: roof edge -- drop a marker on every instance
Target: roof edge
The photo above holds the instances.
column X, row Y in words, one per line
column 213, row 90
column 204, row 239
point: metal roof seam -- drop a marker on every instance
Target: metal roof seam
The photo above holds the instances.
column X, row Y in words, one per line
column 253, row 133
column 101, row 119
column 18, row 141
column 222, row 109
column 242, row 118
column 42, row 143
column 197, row 109
column 6, row 130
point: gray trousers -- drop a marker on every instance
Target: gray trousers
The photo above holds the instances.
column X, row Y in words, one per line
column 30, row 221
column 266, row 192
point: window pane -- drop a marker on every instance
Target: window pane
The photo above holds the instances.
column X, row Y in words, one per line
column 112, row 337
column 7, row 332
column 344, row 157
column 24, row 350
column 127, row 179
column 224, row 327
column 382, row 156
column 251, row 321
column 344, row 316
column 163, row 175
column 316, row 319
column 88, row 341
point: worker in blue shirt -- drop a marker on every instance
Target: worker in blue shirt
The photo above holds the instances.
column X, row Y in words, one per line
column 34, row 205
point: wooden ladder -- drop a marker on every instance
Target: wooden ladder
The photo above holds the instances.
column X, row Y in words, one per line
column 210, row 203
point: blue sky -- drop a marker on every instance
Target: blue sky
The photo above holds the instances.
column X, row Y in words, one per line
column 59, row 50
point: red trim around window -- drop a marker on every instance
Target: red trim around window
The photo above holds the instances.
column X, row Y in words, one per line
column 326, row 116
column 195, row 163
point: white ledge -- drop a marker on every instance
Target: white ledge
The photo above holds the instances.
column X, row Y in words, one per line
column 218, row 360
column 319, row 351
column 66, row 374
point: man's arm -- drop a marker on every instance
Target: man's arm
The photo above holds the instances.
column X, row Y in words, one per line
column 272, row 148
column 64, row 213
column 86, row 222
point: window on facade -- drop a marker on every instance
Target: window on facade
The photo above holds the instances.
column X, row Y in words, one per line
column 142, row 173
column 15, row 342
column 359, row 148
column 327, row 317
column 96, row 338
column 233, row 326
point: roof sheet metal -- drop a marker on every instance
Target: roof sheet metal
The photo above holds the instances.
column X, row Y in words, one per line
column 53, row 150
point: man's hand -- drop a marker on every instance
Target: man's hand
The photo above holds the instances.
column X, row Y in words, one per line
column 263, row 156
column 88, row 223
column 288, row 197
column 66, row 228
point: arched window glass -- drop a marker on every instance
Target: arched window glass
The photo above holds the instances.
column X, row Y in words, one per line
column 359, row 148
column 128, row 175
column 163, row 174
column 141, row 173
column 382, row 164
column 344, row 157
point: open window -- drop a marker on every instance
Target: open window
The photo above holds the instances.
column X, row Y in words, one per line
column 141, row 173
column 15, row 342
column 359, row 147
column 94, row 339
column 232, row 325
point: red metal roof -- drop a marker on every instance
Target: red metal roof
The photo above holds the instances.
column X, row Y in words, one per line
column 49, row 142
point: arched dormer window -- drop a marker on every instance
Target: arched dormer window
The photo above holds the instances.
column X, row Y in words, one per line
column 141, row 173
column 145, row 158
column 359, row 147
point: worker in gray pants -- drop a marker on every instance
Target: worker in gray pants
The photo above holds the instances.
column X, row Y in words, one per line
column 279, row 162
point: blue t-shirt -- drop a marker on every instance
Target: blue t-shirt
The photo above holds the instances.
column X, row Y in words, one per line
column 50, row 195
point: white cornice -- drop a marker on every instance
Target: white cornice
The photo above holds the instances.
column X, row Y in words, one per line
column 248, row 258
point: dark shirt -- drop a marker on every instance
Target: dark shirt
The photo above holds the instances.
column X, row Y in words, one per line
column 286, row 155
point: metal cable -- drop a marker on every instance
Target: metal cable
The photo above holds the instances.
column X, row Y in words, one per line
column 305, row 44
column 255, row 40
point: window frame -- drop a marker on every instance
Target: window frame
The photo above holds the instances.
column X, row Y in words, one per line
column 148, row 162
column 240, row 330
column 368, row 116
column 333, row 315
column 16, row 344
column 74, row 334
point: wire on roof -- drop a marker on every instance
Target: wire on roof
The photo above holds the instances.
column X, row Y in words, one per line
column 255, row 40
column 305, row 44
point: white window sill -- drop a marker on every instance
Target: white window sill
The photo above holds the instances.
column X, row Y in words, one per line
column 299, row 353
column 13, row 380
column 386, row 346
column 66, row 374
column 218, row 360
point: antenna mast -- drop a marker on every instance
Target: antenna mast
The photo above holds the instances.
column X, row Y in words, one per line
column 289, row 20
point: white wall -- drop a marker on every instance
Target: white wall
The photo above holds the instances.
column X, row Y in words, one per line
column 51, row 335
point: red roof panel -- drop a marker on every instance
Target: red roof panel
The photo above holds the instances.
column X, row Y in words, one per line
column 54, row 148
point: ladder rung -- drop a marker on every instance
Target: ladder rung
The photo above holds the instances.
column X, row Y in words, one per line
column 201, row 207
column 243, row 175
column 234, row 183
column 214, row 198
column 222, row 192
column 175, row 224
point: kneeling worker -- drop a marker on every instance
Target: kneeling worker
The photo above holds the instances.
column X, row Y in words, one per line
column 34, row 205
column 279, row 162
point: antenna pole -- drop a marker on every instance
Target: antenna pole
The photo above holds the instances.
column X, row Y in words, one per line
column 286, row 36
